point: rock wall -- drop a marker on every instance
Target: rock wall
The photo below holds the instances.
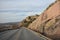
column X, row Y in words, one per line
column 48, row 22
column 52, row 12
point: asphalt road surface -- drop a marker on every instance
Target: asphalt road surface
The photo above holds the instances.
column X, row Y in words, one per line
column 20, row 34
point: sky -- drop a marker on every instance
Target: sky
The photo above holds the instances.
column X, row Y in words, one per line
column 17, row 10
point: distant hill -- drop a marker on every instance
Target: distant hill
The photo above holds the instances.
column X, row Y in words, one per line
column 9, row 26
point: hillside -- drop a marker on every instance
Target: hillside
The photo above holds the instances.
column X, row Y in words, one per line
column 48, row 23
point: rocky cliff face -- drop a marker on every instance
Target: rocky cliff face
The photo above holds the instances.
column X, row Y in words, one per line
column 48, row 22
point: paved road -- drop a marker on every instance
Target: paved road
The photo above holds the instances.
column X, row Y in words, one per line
column 20, row 34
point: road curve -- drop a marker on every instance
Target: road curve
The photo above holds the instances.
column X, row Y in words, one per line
column 20, row 34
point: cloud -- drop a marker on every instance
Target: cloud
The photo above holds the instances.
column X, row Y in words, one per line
column 14, row 17
column 17, row 10
column 23, row 5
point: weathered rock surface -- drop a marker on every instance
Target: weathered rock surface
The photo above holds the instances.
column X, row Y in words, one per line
column 52, row 29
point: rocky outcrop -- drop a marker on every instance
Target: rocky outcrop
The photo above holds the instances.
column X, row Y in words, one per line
column 28, row 20
column 48, row 23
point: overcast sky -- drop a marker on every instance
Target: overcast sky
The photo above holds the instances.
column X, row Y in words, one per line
column 17, row 10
